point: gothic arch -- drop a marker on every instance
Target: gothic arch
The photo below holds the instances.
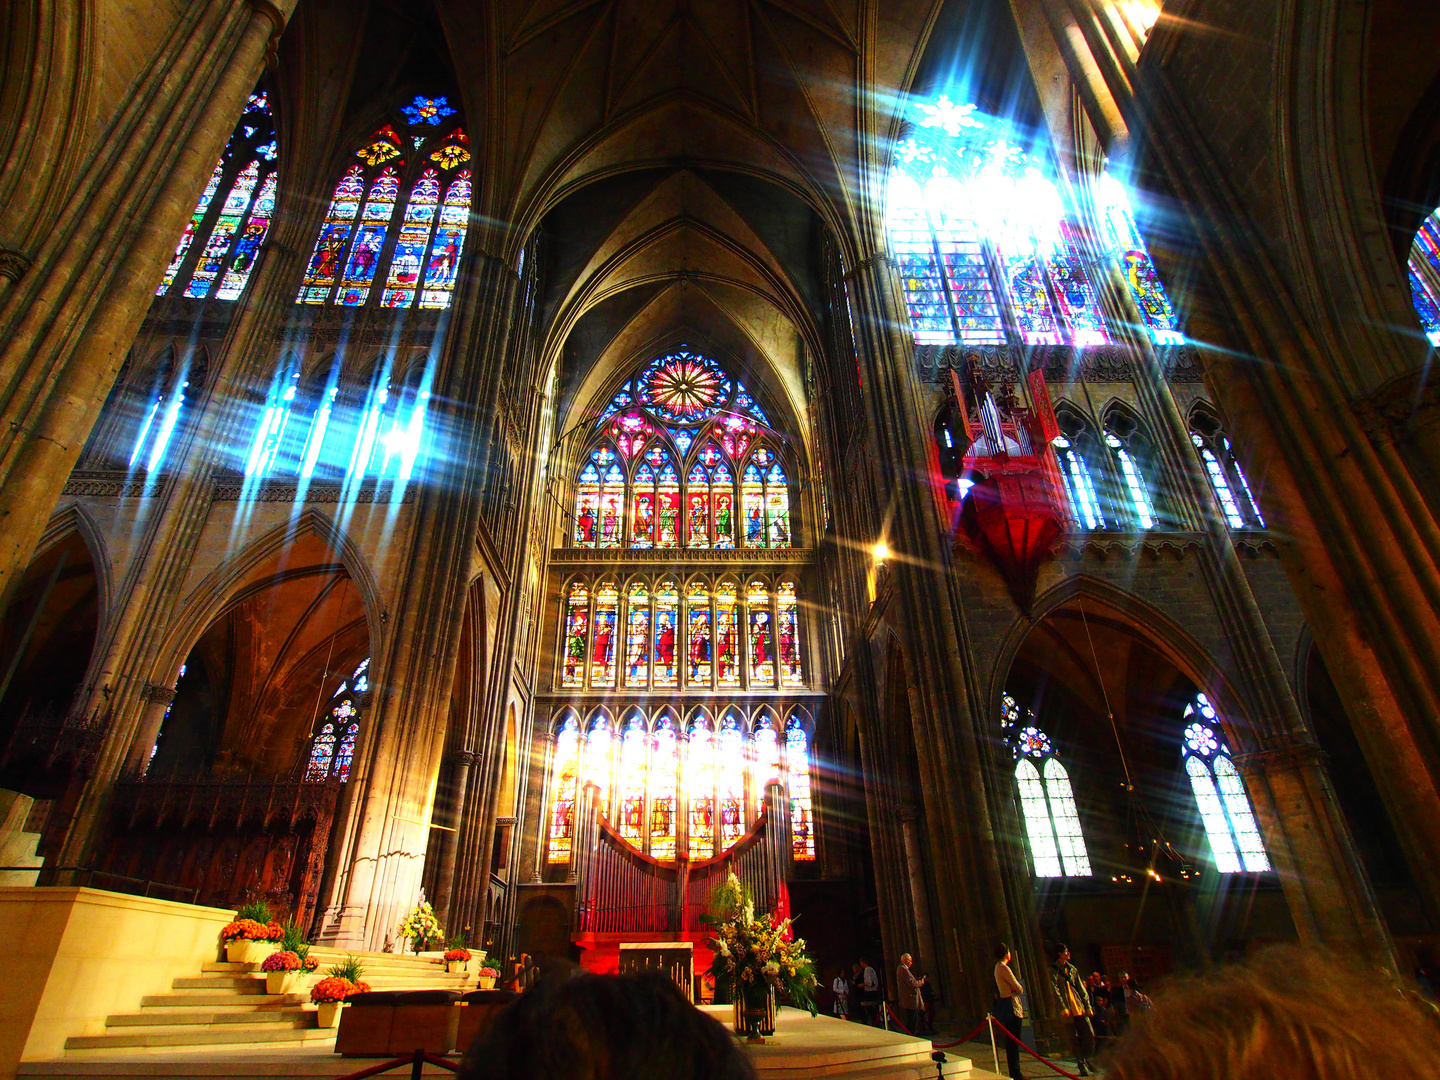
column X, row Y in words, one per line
column 1143, row 621
column 74, row 516
column 209, row 599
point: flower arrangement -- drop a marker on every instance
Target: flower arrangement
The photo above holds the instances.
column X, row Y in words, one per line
column 421, row 926
column 332, row 989
column 488, row 972
column 285, row 960
column 753, row 956
column 293, row 940
column 456, row 954
column 252, row 930
column 340, row 982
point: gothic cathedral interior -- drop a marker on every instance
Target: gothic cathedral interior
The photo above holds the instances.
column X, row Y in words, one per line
column 958, row 465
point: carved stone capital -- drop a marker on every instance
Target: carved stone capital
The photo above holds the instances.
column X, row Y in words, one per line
column 277, row 27
column 466, row 758
column 13, row 264
column 159, row 695
column 1400, row 407
column 1282, row 754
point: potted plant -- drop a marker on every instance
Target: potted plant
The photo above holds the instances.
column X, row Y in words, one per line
column 329, row 994
column 754, row 958
column 457, row 956
column 280, row 968
column 487, row 976
column 420, row 926
column 251, row 937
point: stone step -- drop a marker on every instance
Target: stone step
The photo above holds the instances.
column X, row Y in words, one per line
column 225, row 1014
column 200, row 997
column 221, row 1035
column 219, row 982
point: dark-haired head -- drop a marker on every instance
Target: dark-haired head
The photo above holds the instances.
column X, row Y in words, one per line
column 605, row 1027
column 1001, row 950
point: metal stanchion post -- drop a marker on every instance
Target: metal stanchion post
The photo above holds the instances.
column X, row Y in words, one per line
column 994, row 1053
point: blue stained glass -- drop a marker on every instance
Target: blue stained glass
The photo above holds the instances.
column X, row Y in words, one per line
column 746, row 403
column 1128, row 247
column 683, row 388
column 426, row 110
column 1425, row 276
column 618, row 402
column 683, row 440
column 1426, row 307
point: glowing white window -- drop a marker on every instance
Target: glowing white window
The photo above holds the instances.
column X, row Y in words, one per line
column 1043, row 853
column 1220, row 796
column 1244, row 484
column 1078, row 484
column 1130, row 469
column 1221, row 485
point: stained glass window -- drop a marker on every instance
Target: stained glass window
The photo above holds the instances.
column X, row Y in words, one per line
column 1424, row 272
column 1135, row 484
column 683, row 388
column 1227, row 478
column 324, row 268
column 369, row 239
column 767, row 754
column 634, row 754
column 229, row 236
column 577, row 634
column 602, row 639
column 1078, row 484
column 727, row 636
column 1220, row 797
column 449, row 242
column 667, row 624
column 427, row 110
column 698, row 640
column 762, row 636
column 1125, row 245
column 664, row 777
column 361, row 676
column 700, row 785
column 977, row 225
column 566, row 773
column 322, row 752
column 777, row 507
column 1047, row 801
column 599, row 758
column 752, row 498
column 637, row 636
column 429, row 225
column 797, row 777
column 408, row 258
column 731, row 771
column 667, row 505
column 788, row 607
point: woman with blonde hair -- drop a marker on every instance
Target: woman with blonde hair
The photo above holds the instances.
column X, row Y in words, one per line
column 1287, row 1012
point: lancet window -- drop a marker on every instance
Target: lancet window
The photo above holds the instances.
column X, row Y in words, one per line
column 395, row 227
column 217, row 251
column 682, row 457
column 1126, row 247
column 332, row 749
column 1047, row 802
column 1126, row 457
column 695, row 788
column 655, row 634
column 1424, row 271
column 1227, row 478
column 1220, row 797
column 988, row 253
column 1079, row 483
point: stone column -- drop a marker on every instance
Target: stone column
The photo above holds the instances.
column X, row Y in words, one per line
column 68, row 332
column 924, row 606
column 158, row 700
column 445, row 879
column 919, row 896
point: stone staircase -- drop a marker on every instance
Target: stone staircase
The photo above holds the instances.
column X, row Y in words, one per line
column 226, row 1005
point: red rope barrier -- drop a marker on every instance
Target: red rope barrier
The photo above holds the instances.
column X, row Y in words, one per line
column 1032, row 1053
column 934, row 1045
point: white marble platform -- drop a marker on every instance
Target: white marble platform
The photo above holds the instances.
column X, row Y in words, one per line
column 802, row 1047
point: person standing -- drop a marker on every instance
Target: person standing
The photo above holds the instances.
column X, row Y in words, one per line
column 841, row 989
column 1009, row 1008
column 1076, row 1005
column 910, row 999
column 1119, row 1006
column 870, row 992
column 1100, row 1002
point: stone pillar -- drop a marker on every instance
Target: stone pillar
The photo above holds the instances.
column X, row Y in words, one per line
column 445, row 879
column 925, row 608
column 919, row 894
column 158, row 700
column 64, row 345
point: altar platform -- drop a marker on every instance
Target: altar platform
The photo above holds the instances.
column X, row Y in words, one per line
column 802, row 1047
